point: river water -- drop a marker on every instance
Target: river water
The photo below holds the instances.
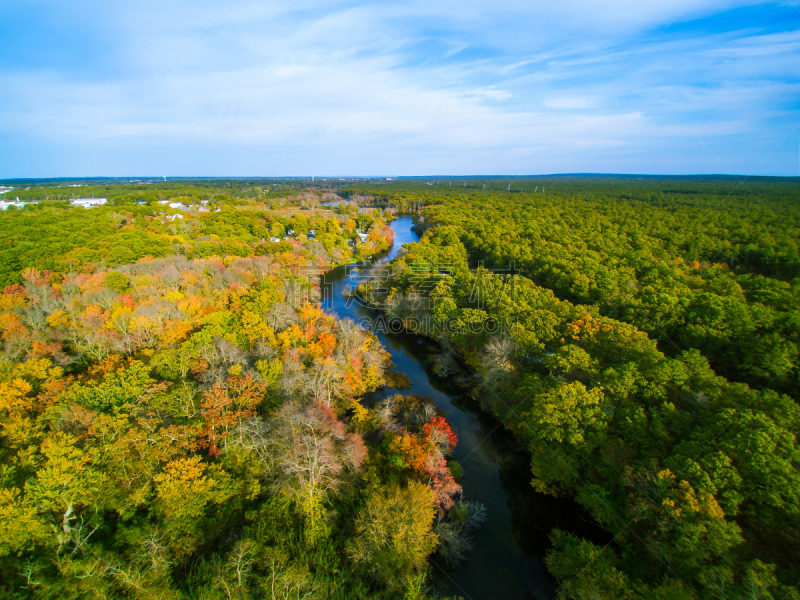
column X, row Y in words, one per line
column 510, row 545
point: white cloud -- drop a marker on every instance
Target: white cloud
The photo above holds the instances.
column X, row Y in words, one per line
column 490, row 93
column 569, row 102
column 493, row 86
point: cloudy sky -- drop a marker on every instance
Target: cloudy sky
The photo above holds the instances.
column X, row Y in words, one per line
column 461, row 87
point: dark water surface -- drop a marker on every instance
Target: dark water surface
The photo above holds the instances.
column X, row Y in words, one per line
column 507, row 560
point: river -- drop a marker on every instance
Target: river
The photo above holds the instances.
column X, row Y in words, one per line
column 507, row 561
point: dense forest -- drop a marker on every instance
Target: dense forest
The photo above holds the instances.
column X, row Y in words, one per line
column 641, row 338
column 180, row 419
column 52, row 236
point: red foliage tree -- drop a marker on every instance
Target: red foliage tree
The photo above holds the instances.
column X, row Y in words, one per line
column 439, row 432
column 441, row 481
column 225, row 407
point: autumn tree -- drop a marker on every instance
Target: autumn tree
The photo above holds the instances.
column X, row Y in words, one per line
column 307, row 452
column 184, row 490
column 226, row 406
column 393, row 533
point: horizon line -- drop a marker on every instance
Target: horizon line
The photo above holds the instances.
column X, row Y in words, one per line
column 163, row 179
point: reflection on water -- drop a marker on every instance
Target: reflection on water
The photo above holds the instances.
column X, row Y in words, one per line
column 507, row 559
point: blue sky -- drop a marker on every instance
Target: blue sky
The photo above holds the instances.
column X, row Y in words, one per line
column 461, row 87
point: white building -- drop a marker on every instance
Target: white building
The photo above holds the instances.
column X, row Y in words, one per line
column 4, row 205
column 88, row 202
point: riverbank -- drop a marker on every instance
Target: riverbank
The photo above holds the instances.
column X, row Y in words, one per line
column 507, row 559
